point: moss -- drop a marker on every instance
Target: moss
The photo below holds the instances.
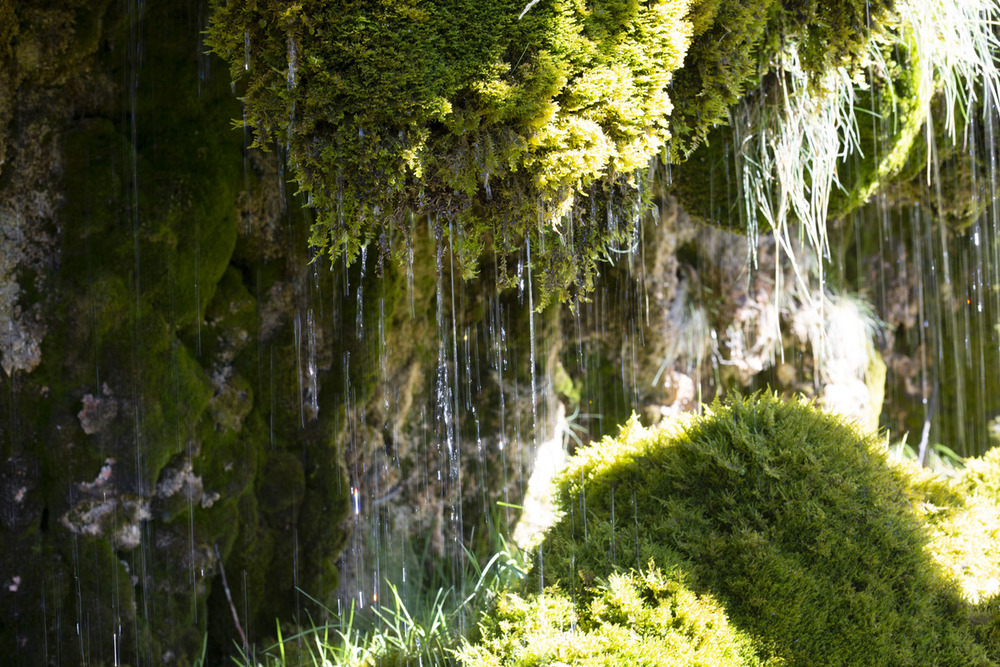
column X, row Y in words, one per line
column 321, row 530
column 281, row 470
column 103, row 594
column 986, row 622
column 455, row 107
column 51, row 43
column 706, row 184
column 8, row 84
column 647, row 617
column 789, row 517
column 534, row 128
column 733, row 45
column 723, row 62
column 953, row 190
column 148, row 318
column 894, row 109
column 981, row 476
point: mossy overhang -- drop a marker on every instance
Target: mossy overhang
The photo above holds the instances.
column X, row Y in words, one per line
column 509, row 127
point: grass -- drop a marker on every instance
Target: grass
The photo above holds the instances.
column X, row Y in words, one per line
column 395, row 634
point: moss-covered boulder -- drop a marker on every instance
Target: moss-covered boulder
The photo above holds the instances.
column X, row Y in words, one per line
column 813, row 543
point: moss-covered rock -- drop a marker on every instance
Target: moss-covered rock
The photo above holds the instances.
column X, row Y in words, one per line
column 801, row 529
column 894, row 105
column 886, row 97
column 536, row 126
column 734, row 43
column 146, row 424
column 457, row 108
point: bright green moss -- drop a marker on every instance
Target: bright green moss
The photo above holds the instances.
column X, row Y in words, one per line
column 447, row 107
column 791, row 519
column 965, row 542
column 641, row 618
column 981, row 476
column 503, row 129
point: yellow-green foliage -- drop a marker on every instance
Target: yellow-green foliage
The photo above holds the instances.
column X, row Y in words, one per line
column 510, row 126
column 795, row 522
column 981, row 476
column 963, row 521
column 980, row 572
column 639, row 618
column 447, row 106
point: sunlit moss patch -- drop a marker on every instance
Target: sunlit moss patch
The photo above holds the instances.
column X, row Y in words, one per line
column 645, row 618
column 814, row 544
column 504, row 121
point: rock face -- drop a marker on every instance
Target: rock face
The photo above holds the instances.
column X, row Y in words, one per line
column 190, row 395
column 160, row 311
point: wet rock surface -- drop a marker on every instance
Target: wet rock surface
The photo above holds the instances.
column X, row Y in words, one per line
column 147, row 426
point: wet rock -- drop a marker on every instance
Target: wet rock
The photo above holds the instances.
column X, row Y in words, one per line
column 681, row 393
column 20, row 499
column 232, row 401
column 98, row 412
column 116, row 519
column 156, row 398
column 102, row 510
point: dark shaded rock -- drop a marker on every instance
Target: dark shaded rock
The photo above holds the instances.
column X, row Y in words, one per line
column 143, row 419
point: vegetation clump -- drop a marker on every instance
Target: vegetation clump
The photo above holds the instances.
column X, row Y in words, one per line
column 816, row 546
column 645, row 617
column 504, row 121
column 461, row 110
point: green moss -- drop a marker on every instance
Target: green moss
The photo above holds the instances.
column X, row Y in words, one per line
column 894, row 110
column 535, row 128
column 790, row 518
column 147, row 316
column 8, row 84
column 889, row 103
column 51, row 43
column 952, row 190
column 986, row 623
column 281, row 485
column 647, row 617
column 457, row 106
column 706, row 184
column 105, row 597
column 723, row 62
column 981, row 476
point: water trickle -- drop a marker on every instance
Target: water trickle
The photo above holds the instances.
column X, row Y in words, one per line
column 531, row 354
column 293, row 63
column 359, row 318
column 311, row 368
